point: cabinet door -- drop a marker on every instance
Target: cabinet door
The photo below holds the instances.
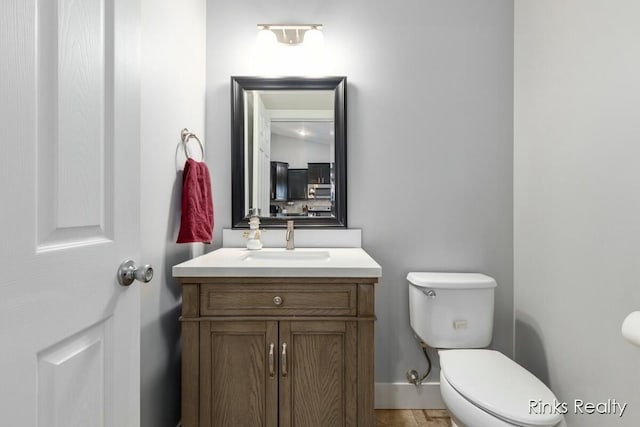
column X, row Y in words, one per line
column 279, row 177
column 318, row 364
column 319, row 173
column 274, row 175
column 239, row 378
column 297, row 184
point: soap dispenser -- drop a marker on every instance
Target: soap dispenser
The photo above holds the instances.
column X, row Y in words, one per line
column 254, row 242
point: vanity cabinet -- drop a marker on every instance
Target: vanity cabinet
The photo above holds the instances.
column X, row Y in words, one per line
column 277, row 351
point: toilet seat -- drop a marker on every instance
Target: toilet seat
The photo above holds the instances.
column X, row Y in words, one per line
column 499, row 386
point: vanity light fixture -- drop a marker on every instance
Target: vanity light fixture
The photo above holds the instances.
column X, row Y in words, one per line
column 290, row 35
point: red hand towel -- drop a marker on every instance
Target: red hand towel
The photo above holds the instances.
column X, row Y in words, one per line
column 196, row 223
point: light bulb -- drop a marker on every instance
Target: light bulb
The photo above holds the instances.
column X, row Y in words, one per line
column 313, row 37
column 266, row 39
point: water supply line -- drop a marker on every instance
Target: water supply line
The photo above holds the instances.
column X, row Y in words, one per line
column 412, row 375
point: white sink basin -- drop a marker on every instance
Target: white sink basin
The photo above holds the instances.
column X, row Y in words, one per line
column 285, row 255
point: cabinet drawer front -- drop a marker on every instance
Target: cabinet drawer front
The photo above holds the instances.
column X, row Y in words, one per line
column 278, row 300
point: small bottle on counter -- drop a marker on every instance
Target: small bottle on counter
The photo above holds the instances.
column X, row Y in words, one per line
column 254, row 242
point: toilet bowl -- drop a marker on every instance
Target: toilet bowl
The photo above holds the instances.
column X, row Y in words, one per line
column 484, row 388
column 453, row 312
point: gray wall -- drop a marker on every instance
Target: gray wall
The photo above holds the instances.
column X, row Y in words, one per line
column 172, row 97
column 298, row 153
column 577, row 199
column 429, row 138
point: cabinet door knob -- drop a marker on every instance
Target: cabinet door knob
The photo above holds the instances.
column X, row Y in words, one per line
column 272, row 371
column 284, row 359
column 277, row 300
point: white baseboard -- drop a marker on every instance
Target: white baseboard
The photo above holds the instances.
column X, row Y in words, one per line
column 408, row 396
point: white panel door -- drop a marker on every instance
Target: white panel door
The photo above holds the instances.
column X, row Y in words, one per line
column 261, row 156
column 69, row 180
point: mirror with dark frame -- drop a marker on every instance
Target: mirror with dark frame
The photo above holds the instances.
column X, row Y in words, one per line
column 288, row 151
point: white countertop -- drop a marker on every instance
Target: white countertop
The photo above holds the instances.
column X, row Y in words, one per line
column 277, row 262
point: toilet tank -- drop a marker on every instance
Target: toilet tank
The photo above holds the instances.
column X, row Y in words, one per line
column 452, row 310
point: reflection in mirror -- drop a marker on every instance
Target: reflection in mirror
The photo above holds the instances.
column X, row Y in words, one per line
column 292, row 144
column 292, row 133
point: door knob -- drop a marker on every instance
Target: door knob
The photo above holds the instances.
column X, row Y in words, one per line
column 129, row 271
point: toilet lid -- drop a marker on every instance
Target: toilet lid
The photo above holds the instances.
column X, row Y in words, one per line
column 500, row 386
column 451, row 280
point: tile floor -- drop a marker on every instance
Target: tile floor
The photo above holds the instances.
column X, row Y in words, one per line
column 412, row 418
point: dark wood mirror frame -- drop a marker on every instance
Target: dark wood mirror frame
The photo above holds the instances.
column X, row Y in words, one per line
column 238, row 86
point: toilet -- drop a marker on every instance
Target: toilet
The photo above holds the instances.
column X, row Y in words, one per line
column 453, row 312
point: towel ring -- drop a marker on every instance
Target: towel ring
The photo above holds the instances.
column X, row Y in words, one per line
column 185, row 135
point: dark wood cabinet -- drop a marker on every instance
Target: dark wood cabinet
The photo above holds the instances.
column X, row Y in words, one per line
column 277, row 352
column 319, row 173
column 279, row 181
column 298, row 184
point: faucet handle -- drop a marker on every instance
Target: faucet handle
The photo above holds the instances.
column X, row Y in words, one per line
column 289, row 235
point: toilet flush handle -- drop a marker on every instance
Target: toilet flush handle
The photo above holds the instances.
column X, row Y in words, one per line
column 429, row 293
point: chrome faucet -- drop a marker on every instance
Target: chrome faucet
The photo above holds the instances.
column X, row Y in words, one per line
column 289, row 236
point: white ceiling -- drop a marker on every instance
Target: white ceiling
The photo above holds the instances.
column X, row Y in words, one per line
column 320, row 132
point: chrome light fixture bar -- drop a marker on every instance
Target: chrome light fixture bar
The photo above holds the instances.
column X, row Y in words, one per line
column 292, row 35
